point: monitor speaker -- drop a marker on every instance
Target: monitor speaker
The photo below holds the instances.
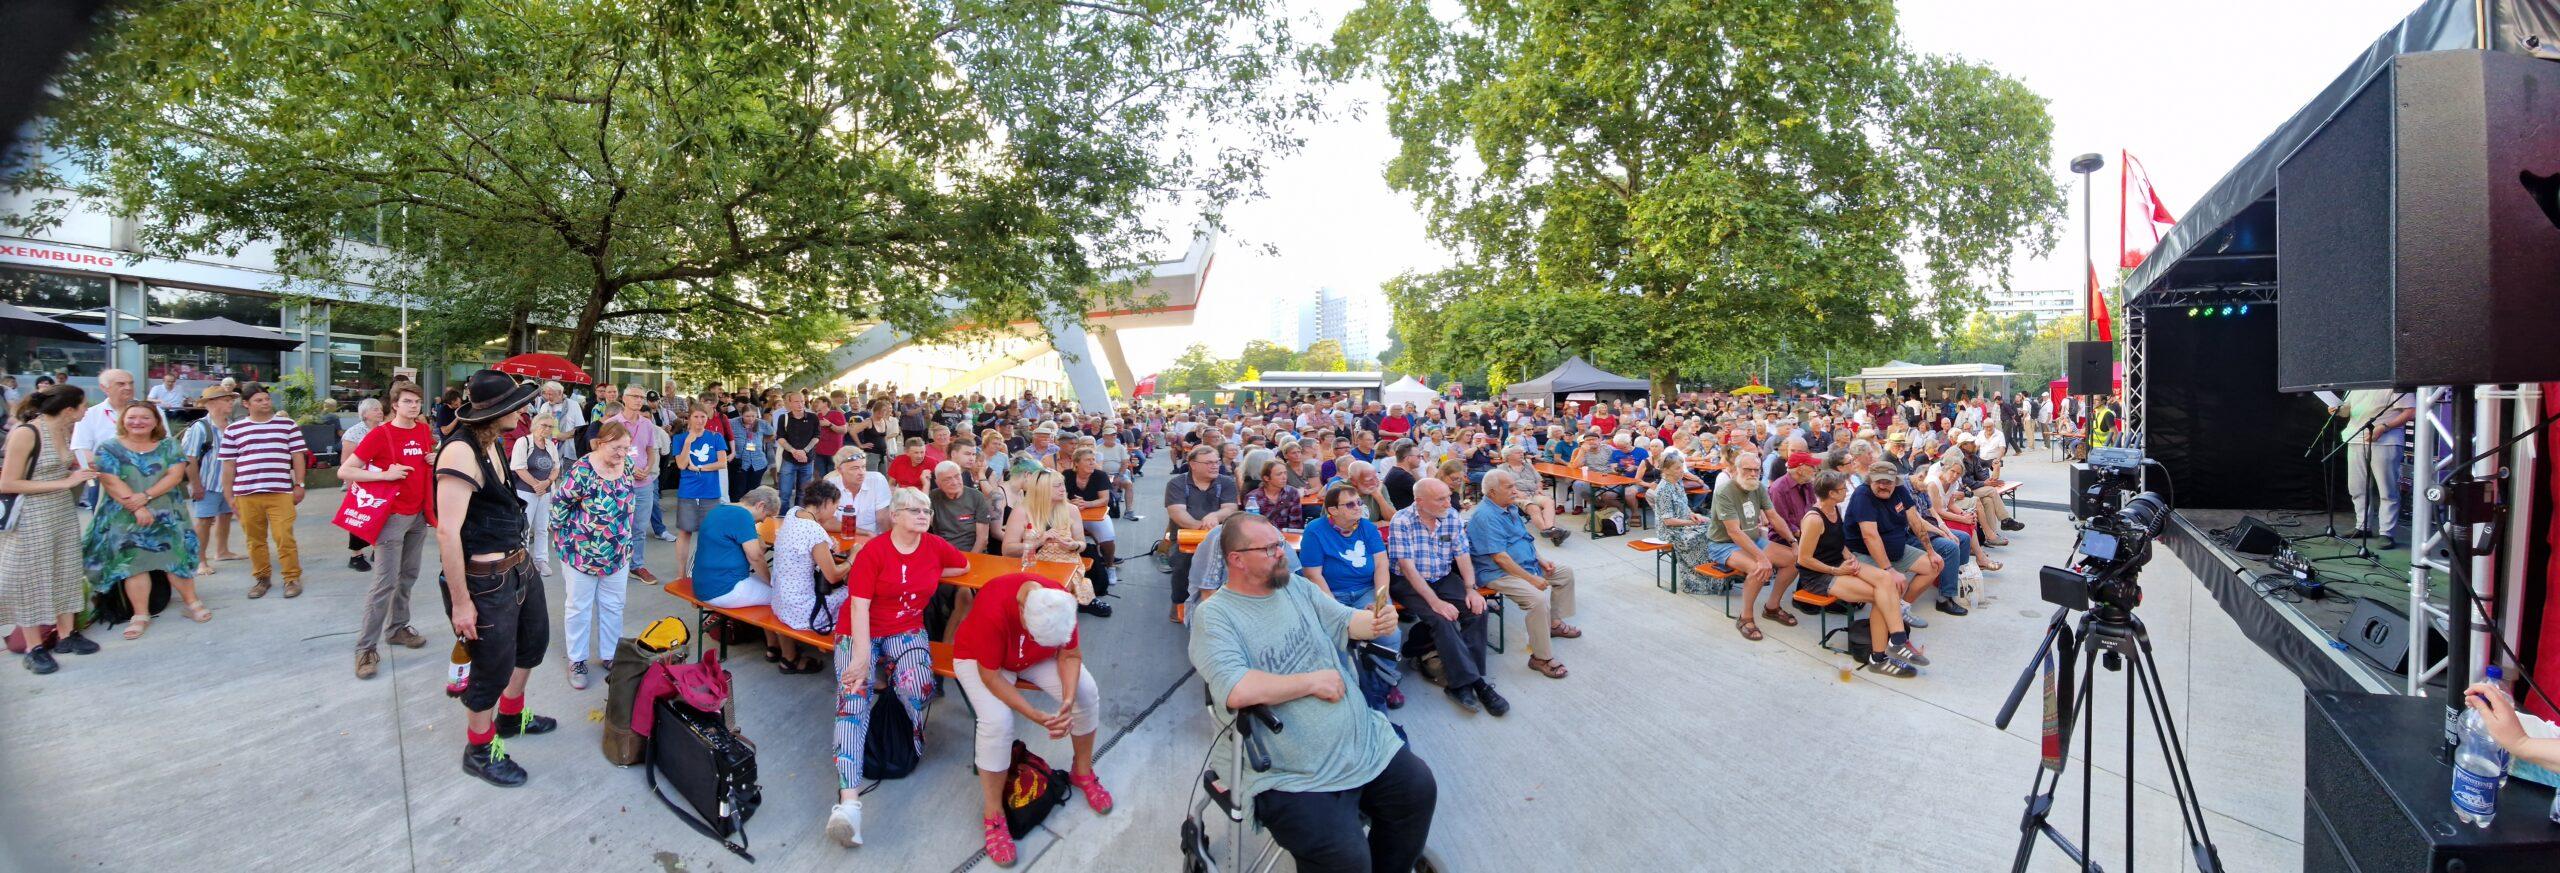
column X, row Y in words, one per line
column 2255, row 537
column 2381, row 634
column 2091, row 368
column 2417, row 237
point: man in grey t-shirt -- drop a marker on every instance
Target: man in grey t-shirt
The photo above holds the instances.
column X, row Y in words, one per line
column 1272, row 641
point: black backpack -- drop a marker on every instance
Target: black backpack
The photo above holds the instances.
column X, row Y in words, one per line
column 1855, row 639
column 1032, row 789
column 889, row 751
column 712, row 767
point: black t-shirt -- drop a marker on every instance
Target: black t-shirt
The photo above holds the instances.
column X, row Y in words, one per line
column 798, row 431
column 872, row 441
column 1092, row 488
column 1399, row 487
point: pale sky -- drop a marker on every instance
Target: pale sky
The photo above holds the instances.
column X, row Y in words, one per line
column 2188, row 86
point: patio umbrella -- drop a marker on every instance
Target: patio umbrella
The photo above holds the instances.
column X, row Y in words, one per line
column 217, row 331
column 537, row 365
column 1754, row 389
column 19, row 322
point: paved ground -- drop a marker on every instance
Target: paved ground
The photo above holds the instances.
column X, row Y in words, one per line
column 247, row 744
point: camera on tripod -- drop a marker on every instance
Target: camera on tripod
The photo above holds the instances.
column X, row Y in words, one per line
column 2115, row 536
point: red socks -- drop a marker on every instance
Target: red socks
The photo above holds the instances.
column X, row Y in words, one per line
column 510, row 706
column 481, row 737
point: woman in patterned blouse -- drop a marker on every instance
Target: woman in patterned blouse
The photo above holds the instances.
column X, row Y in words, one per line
column 594, row 513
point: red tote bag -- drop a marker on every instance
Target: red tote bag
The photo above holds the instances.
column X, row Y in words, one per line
column 364, row 508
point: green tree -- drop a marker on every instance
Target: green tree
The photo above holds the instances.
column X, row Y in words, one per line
column 1197, row 369
column 1325, row 356
column 746, row 171
column 1674, row 187
column 1265, row 356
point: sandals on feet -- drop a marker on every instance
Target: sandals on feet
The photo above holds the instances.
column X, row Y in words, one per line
column 801, row 666
column 1750, row 629
column 1548, row 667
column 1778, row 615
column 197, row 612
column 1989, row 566
column 1563, row 631
column 133, row 629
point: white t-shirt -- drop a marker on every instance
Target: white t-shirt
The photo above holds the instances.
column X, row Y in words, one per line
column 168, row 397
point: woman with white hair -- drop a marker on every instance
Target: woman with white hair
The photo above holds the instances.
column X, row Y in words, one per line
column 1023, row 626
column 880, row 628
column 369, row 415
column 1539, row 508
column 536, row 466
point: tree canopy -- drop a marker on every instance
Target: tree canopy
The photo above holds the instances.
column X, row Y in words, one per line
column 1674, row 187
column 747, row 177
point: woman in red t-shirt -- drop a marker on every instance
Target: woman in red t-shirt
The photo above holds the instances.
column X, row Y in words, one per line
column 882, row 625
column 1023, row 626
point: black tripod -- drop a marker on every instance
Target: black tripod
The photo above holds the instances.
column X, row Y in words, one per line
column 2119, row 636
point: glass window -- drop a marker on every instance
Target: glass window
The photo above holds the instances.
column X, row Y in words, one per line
column 364, row 319
column 172, row 305
column 355, row 375
column 79, row 301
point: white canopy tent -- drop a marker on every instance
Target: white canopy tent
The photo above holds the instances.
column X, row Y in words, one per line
column 1900, row 375
column 1408, row 390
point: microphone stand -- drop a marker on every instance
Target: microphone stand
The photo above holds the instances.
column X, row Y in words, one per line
column 2328, row 486
column 2364, row 474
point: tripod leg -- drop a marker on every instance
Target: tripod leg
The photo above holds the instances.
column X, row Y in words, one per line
column 2129, row 687
column 2164, row 727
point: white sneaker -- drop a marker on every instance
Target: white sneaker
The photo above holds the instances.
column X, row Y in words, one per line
column 844, row 824
column 669, row 536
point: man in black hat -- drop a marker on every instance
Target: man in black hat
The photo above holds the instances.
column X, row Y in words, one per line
column 497, row 599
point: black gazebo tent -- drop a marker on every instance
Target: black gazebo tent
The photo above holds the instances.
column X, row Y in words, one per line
column 1577, row 376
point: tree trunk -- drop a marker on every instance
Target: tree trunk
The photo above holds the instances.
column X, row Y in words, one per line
column 582, row 339
column 1664, row 388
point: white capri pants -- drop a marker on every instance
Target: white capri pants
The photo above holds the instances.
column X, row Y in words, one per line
column 996, row 720
column 1100, row 532
column 751, row 591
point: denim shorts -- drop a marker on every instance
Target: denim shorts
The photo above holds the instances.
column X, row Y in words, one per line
column 1722, row 553
column 213, row 505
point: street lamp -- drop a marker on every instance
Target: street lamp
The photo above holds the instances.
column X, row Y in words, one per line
column 2085, row 165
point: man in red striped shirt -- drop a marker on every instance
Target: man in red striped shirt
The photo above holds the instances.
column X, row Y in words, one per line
column 263, row 457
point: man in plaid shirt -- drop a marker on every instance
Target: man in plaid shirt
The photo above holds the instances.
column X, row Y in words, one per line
column 1429, row 545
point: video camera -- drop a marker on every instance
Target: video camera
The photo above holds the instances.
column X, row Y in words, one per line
column 2115, row 536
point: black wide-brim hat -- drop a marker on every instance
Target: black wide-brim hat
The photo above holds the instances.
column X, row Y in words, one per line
column 493, row 394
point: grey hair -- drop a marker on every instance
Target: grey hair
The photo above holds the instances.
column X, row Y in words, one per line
column 1671, row 459
column 370, row 404
column 554, row 385
column 1502, row 475
column 904, row 498
column 1352, row 470
column 764, row 496
column 946, row 467
column 1253, row 463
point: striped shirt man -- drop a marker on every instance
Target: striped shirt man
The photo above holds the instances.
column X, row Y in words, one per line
column 260, row 454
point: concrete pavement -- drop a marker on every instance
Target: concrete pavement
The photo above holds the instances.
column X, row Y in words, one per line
column 246, row 743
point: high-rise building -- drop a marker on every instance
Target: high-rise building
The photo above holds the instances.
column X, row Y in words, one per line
column 1302, row 321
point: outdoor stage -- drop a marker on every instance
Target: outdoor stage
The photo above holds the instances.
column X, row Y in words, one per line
column 2304, row 633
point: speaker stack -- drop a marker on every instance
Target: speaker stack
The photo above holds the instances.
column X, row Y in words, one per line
column 2417, row 237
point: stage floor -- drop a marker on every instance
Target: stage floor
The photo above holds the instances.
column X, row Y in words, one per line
column 2383, row 578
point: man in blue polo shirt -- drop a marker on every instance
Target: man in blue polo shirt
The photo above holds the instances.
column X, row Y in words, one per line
column 1506, row 558
column 1885, row 524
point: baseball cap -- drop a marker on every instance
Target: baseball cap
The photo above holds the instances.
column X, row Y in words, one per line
column 1800, row 459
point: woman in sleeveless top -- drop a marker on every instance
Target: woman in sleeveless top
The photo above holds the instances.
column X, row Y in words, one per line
column 496, row 598
column 41, row 582
column 1827, row 569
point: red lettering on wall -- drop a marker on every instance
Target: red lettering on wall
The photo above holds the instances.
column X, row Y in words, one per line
column 35, row 253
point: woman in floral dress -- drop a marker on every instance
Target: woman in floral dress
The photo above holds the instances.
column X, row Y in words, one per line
column 595, row 527
column 1681, row 525
column 142, row 527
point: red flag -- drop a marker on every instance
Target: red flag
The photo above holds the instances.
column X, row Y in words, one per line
column 1145, row 386
column 2098, row 308
column 2137, row 203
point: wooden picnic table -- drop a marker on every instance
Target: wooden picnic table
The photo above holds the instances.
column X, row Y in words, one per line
column 1189, row 540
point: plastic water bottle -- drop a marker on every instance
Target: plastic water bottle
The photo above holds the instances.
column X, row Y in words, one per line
column 2479, row 767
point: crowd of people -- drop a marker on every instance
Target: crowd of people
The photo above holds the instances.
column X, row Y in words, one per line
column 843, row 511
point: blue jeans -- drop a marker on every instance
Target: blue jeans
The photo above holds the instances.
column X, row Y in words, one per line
column 1951, row 558
column 794, row 475
column 657, row 512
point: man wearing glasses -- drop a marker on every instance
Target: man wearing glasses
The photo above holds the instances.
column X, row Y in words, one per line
column 1265, row 642
column 1196, row 500
column 1427, row 541
column 1344, row 552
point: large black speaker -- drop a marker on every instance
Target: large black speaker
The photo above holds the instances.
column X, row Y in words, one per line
column 2091, row 368
column 2410, row 248
column 2377, row 795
